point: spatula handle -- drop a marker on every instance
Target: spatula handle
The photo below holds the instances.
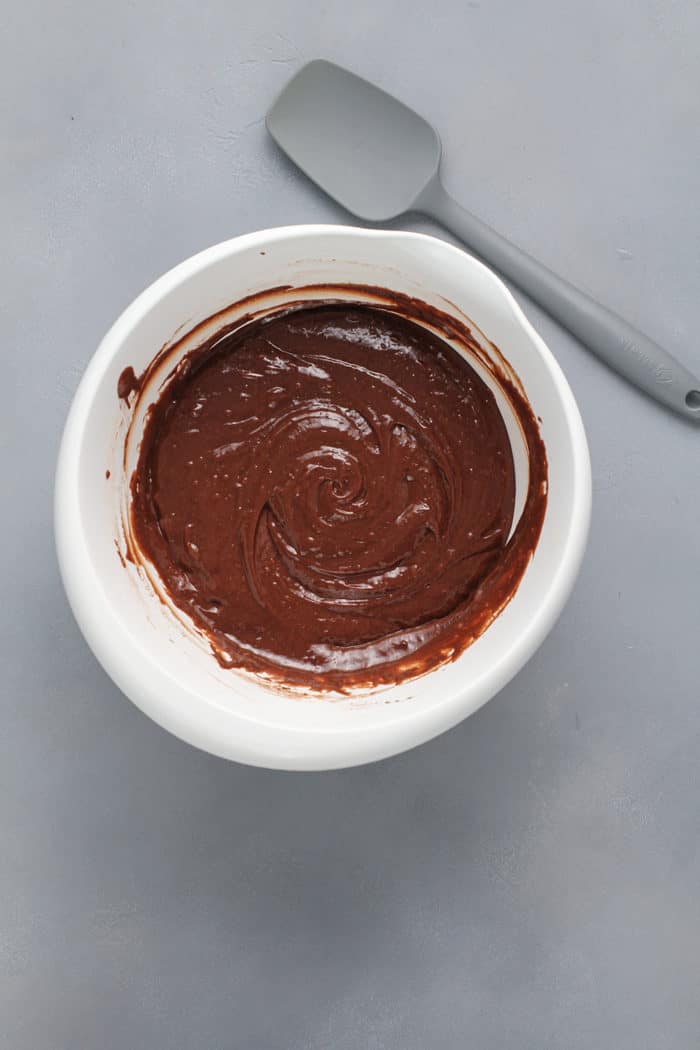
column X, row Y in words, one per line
column 631, row 353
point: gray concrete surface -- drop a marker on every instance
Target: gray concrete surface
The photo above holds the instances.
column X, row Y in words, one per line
column 529, row 880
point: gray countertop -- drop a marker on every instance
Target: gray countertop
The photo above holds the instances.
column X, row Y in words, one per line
column 530, row 879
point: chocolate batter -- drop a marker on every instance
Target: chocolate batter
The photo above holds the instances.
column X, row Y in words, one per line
column 328, row 493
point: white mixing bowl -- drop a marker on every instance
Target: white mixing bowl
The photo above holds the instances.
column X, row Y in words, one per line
column 163, row 665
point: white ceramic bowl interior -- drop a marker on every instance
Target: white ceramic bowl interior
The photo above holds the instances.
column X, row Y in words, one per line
column 166, row 668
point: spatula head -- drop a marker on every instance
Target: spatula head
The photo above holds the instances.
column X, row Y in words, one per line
column 363, row 147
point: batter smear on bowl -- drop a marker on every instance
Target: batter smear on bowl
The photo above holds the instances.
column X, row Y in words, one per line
column 329, row 493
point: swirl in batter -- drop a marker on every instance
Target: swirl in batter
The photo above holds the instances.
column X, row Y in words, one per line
column 329, row 495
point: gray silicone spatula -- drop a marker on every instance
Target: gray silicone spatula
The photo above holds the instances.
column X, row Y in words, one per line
column 379, row 159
